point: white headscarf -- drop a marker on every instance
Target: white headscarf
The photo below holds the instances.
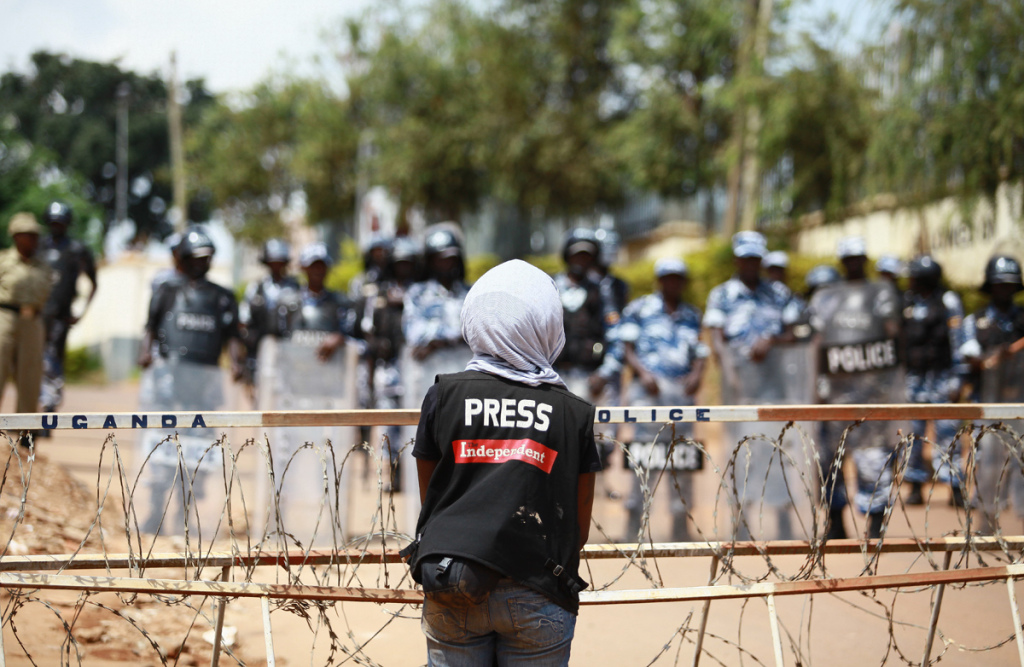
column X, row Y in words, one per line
column 512, row 320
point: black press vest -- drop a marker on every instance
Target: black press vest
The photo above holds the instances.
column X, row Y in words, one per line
column 505, row 490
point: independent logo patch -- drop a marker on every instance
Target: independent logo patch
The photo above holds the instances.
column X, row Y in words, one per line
column 500, row 451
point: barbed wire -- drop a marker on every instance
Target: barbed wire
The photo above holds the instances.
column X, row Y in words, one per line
column 299, row 497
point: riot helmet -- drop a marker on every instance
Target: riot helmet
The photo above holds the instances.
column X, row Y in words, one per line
column 580, row 240
column 196, row 251
column 196, row 243
column 1002, row 270
column 924, row 272
column 821, row 275
column 405, row 250
column 275, row 250
column 58, row 212
column 442, row 242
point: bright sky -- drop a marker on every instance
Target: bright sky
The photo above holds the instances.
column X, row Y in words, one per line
column 232, row 43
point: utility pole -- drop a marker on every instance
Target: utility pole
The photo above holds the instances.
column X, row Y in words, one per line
column 752, row 128
column 180, row 215
column 744, row 177
column 124, row 91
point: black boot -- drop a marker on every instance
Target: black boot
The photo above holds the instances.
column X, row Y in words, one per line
column 957, row 499
column 875, row 525
column 914, row 497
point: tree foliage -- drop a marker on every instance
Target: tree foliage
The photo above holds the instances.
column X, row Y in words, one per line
column 66, row 108
column 953, row 113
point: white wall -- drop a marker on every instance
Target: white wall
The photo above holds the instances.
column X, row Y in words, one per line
column 961, row 248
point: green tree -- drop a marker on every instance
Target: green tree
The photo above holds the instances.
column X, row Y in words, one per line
column 680, row 55
column 820, row 117
column 67, row 107
column 953, row 113
column 284, row 140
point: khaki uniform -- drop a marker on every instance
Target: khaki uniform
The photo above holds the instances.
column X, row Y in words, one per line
column 24, row 288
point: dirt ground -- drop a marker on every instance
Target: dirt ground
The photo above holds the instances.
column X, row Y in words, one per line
column 844, row 629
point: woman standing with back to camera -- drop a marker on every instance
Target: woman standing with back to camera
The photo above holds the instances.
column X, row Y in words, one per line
column 506, row 460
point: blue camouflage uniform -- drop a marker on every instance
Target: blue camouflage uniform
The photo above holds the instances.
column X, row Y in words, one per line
column 432, row 312
column 744, row 315
column 992, row 324
column 666, row 345
column 935, row 381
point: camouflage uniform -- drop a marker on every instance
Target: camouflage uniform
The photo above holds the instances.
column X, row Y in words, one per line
column 745, row 315
column 666, row 344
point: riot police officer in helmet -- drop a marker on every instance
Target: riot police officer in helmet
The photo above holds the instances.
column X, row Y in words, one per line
column 259, row 313
column 68, row 259
column 932, row 320
column 583, row 312
column 427, row 326
column 191, row 318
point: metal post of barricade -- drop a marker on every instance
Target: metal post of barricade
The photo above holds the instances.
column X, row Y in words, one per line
column 1016, row 619
column 705, row 610
column 218, row 629
column 3, row 653
column 773, row 618
column 267, row 635
column 934, row 622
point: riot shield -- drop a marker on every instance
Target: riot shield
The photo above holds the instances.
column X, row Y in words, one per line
column 858, row 358
column 1004, row 382
column 418, row 377
column 661, row 457
column 176, row 462
column 307, row 505
column 767, row 470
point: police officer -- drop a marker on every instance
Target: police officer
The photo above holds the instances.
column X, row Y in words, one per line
column 989, row 337
column 25, row 285
column 430, row 317
column 857, row 321
column 659, row 337
column 381, row 324
column 746, row 317
column 68, row 259
column 507, row 492
column 932, row 332
column 191, row 321
column 258, row 313
column 190, row 318
column 746, row 313
column 584, row 312
column 376, row 266
column 315, row 316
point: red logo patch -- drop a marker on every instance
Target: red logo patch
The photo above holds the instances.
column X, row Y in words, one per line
column 499, row 451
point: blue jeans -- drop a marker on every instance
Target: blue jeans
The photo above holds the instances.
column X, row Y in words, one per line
column 514, row 626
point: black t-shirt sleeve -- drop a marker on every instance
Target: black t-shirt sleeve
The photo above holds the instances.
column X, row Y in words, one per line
column 590, row 459
column 426, row 446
